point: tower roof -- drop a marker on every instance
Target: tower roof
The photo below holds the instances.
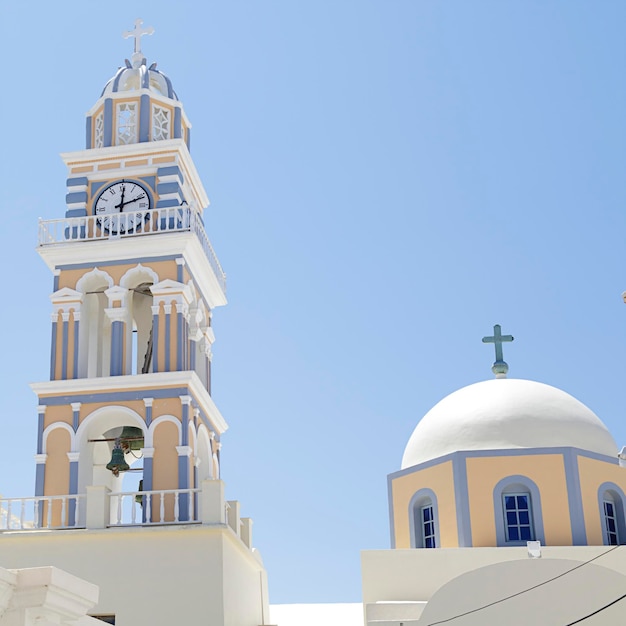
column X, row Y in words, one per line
column 507, row 413
column 132, row 78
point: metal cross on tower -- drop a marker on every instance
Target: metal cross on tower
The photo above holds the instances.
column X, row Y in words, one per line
column 138, row 33
column 500, row 367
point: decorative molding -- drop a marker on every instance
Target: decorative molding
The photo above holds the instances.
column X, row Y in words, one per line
column 185, row 400
column 184, row 450
column 138, row 382
column 73, row 456
column 148, row 453
column 41, row 409
column 94, row 273
column 40, row 459
column 119, row 314
column 75, row 406
column 147, row 402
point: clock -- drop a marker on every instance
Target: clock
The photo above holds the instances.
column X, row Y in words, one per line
column 122, row 207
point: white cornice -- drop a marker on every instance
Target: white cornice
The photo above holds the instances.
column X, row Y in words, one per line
column 81, row 386
column 184, row 244
column 176, row 147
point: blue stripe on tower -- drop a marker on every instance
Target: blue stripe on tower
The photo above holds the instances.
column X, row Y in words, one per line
column 53, row 350
column 64, row 350
column 148, row 415
column 155, row 342
column 88, row 132
column 76, row 196
column 76, row 335
column 108, row 122
column 183, row 483
column 71, row 505
column 167, row 340
column 185, row 433
column 144, row 118
column 189, row 139
column 180, row 342
column 40, row 473
column 178, row 127
column 40, row 418
column 163, row 188
column 117, row 338
column 147, row 473
column 192, row 355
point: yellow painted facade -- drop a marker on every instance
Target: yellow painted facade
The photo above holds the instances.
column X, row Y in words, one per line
column 546, row 471
column 593, row 473
column 439, row 478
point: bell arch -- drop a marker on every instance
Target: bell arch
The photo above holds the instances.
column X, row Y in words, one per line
column 204, row 455
column 139, row 332
column 103, row 423
column 94, row 342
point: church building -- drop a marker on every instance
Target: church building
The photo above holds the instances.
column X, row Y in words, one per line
column 508, row 507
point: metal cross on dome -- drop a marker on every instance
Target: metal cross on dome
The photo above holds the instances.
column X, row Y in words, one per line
column 500, row 367
column 138, row 33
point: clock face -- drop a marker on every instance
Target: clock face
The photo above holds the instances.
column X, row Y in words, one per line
column 122, row 207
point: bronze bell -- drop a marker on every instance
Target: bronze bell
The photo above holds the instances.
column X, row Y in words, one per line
column 118, row 463
column 131, row 438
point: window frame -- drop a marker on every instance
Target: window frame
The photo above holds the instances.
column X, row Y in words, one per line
column 612, row 493
column 421, row 500
column 517, row 485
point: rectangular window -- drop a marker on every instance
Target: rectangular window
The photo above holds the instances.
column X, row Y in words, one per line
column 428, row 526
column 160, row 123
column 517, row 517
column 98, row 141
column 610, row 520
column 126, row 119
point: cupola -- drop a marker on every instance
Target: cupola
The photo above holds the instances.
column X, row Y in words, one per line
column 138, row 104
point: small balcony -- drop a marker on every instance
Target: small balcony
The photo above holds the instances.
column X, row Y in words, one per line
column 165, row 221
column 100, row 508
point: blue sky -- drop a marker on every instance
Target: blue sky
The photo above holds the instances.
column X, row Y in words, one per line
column 388, row 179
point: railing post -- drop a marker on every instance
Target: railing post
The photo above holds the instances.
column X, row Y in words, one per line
column 246, row 531
column 212, row 502
column 98, row 506
column 233, row 516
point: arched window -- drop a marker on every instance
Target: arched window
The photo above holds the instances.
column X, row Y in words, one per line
column 517, row 508
column 424, row 516
column 611, row 501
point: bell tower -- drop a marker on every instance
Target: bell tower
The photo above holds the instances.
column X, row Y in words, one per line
column 135, row 283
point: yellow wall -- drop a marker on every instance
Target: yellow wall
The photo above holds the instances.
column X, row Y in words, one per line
column 438, row 478
column 164, row 269
column 593, row 473
column 546, row 471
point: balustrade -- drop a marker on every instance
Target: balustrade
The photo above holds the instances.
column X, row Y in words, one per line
column 131, row 224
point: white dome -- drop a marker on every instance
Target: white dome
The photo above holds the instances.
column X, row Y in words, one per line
column 507, row 413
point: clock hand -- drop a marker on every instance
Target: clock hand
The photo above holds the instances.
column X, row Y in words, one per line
column 120, row 206
column 139, row 197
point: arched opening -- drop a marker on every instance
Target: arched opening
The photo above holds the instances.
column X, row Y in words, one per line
column 139, row 331
column 517, row 507
column 611, row 501
column 424, row 520
column 94, row 343
column 96, row 438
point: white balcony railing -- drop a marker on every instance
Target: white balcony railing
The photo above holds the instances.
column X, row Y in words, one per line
column 41, row 512
column 99, row 508
column 135, row 224
column 166, row 506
